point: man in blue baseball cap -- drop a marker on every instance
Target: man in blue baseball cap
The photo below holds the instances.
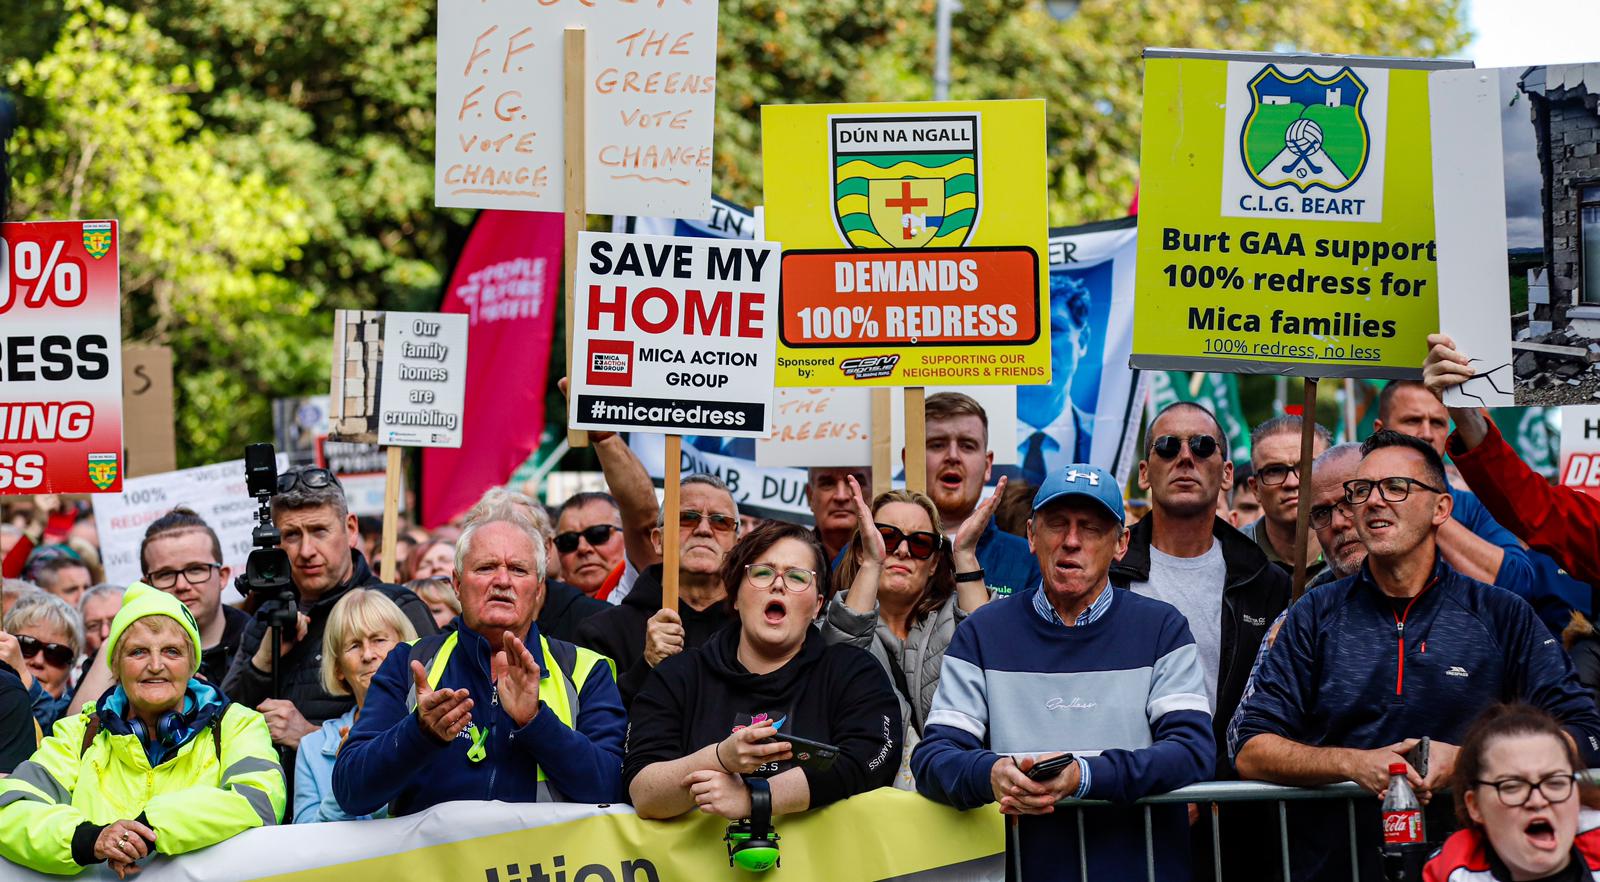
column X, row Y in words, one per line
column 1113, row 678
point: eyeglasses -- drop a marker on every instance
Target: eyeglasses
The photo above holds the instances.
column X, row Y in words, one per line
column 55, row 654
column 1322, row 515
column 1515, row 792
column 194, row 574
column 795, row 579
column 597, row 535
column 310, row 477
column 719, row 522
column 1273, row 475
column 1168, row 446
column 920, row 545
column 1394, row 489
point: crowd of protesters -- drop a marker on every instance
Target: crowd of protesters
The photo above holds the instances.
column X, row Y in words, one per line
column 946, row 642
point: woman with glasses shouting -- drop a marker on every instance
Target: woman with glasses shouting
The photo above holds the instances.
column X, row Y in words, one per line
column 1522, row 804
column 901, row 589
column 42, row 639
column 707, row 720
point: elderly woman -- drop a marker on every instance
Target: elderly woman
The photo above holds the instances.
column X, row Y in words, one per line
column 1516, row 786
column 164, row 763
column 902, row 590
column 440, row 596
column 706, row 718
column 363, row 626
column 432, row 559
column 42, row 639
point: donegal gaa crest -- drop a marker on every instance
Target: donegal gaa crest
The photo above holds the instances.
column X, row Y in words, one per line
column 905, row 181
column 97, row 238
column 1306, row 130
column 103, row 470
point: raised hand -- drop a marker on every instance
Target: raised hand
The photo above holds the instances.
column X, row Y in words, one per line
column 516, row 679
column 442, row 713
column 871, row 539
column 964, row 545
column 1445, row 366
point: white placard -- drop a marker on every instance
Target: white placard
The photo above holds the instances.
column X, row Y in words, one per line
column 674, row 335
column 216, row 493
column 424, row 379
column 824, row 427
column 1580, row 449
column 650, row 91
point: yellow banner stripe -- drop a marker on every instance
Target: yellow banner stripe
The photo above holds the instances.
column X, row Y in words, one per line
column 860, row 168
column 854, row 204
column 864, row 239
column 959, row 202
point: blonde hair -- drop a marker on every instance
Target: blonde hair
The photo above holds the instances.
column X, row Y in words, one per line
column 436, row 590
column 362, row 611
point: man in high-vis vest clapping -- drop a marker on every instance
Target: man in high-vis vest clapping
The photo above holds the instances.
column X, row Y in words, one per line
column 491, row 709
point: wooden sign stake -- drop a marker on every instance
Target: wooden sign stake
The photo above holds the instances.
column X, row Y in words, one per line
column 391, row 513
column 916, row 440
column 882, row 442
column 1302, row 517
column 669, row 523
column 576, row 200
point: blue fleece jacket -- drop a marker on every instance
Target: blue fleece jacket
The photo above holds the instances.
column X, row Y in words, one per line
column 1126, row 691
column 389, row 759
column 1516, row 570
column 1350, row 670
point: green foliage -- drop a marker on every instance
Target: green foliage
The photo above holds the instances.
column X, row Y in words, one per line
column 271, row 160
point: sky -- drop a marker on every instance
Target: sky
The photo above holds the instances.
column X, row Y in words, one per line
column 1511, row 32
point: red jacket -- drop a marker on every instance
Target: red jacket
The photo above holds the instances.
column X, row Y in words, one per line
column 1559, row 521
column 1464, row 859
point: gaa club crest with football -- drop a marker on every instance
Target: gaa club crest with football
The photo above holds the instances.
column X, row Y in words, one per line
column 1304, row 143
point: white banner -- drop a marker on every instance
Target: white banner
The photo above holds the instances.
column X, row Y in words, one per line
column 399, row 378
column 770, row 492
column 825, row 427
column 649, row 88
column 215, row 492
column 674, row 335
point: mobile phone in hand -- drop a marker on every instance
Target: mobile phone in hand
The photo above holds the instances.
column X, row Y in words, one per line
column 1418, row 757
column 1048, row 769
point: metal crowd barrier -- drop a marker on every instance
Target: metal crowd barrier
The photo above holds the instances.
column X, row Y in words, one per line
column 1215, row 792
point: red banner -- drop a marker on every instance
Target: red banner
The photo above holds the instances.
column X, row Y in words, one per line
column 508, row 282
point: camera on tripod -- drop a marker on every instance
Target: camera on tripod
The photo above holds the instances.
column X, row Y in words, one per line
column 266, row 572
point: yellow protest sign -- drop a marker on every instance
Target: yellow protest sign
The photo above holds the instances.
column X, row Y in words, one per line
column 1286, row 215
column 913, row 242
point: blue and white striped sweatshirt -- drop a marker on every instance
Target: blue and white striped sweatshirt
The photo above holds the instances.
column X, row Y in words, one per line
column 1125, row 690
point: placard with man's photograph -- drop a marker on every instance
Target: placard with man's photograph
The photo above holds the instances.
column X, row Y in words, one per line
column 1517, row 197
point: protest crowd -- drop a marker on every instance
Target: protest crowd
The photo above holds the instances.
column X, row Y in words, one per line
column 1130, row 635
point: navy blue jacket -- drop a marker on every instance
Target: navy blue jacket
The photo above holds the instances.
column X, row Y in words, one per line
column 1009, row 567
column 1348, row 670
column 388, row 759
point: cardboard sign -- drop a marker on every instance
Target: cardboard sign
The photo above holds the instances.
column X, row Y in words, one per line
column 1286, row 215
column 674, row 335
column 149, row 428
column 1519, row 231
column 914, row 242
column 217, row 493
column 60, row 358
column 301, row 428
column 650, row 91
column 1580, row 449
column 766, row 491
column 399, row 378
column 831, row 427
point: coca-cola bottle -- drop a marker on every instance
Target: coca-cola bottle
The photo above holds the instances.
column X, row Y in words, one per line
column 1405, row 842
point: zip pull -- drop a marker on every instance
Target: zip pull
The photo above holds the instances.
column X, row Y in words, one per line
column 1400, row 628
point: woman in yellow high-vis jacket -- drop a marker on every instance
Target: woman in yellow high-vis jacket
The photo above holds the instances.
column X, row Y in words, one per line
column 165, row 764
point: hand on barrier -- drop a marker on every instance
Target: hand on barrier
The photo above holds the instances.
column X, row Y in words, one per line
column 122, row 843
column 1441, row 765
column 719, row 793
column 663, row 636
column 516, row 679
column 1017, row 794
column 742, row 753
column 1370, row 768
column 442, row 713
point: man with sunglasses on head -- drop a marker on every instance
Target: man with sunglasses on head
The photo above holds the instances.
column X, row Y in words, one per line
column 320, row 537
column 637, row 633
column 589, row 542
column 1221, row 581
column 1275, row 481
column 1407, row 647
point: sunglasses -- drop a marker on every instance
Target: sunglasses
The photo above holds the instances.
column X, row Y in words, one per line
column 311, row 478
column 596, row 536
column 921, row 545
column 719, row 522
column 55, row 654
column 1169, row 446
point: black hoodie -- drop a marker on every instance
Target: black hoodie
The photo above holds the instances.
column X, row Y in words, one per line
column 619, row 631
column 835, row 694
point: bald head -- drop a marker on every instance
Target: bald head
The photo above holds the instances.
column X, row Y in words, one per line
column 1330, row 516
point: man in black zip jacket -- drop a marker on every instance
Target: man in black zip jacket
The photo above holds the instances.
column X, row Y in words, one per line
column 1221, row 581
column 319, row 535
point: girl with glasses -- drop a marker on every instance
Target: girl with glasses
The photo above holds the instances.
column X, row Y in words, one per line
column 1521, row 804
column 898, row 595
column 709, row 718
